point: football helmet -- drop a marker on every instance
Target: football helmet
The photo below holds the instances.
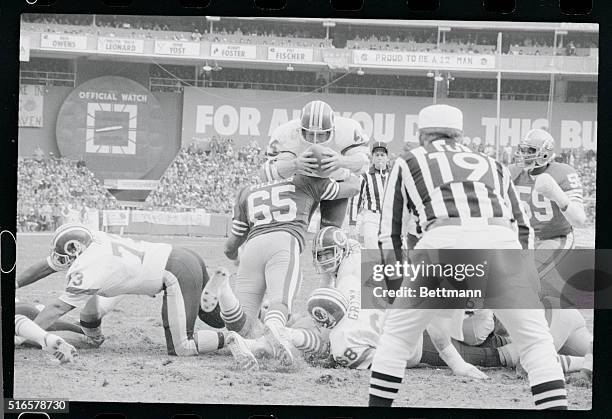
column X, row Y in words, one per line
column 536, row 149
column 317, row 122
column 69, row 241
column 327, row 307
column 330, row 247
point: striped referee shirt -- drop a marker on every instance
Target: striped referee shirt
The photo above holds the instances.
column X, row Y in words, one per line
column 448, row 180
column 371, row 190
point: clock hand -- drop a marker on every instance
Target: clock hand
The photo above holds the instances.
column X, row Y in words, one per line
column 113, row 128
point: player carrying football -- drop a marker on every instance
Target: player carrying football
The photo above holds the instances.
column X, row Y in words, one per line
column 101, row 264
column 347, row 152
column 271, row 220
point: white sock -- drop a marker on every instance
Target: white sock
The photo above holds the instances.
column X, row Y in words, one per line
column 29, row 330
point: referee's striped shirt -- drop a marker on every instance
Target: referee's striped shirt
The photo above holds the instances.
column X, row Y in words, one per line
column 371, row 190
column 448, row 180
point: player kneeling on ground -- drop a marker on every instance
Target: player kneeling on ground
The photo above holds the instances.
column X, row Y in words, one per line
column 101, row 264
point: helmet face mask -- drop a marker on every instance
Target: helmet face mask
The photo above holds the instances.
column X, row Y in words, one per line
column 329, row 249
column 69, row 242
column 317, row 122
column 535, row 150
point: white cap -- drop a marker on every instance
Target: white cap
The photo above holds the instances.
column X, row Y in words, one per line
column 441, row 116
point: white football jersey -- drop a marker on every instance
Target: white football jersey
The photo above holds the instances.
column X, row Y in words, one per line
column 114, row 265
column 354, row 339
column 347, row 134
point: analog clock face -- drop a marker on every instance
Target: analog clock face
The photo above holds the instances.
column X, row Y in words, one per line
column 115, row 125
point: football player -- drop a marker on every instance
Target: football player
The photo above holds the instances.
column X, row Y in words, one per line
column 270, row 219
column 102, row 264
column 552, row 195
column 354, row 331
column 347, row 152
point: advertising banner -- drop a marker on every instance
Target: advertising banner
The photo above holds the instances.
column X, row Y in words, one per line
column 421, row 59
column 291, row 55
column 115, row 217
column 121, row 45
column 177, row 48
column 247, row 115
column 63, row 42
column 248, row 52
column 31, row 101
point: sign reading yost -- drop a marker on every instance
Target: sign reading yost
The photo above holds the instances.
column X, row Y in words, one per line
column 120, row 45
column 115, row 124
column 176, row 48
column 423, row 59
column 233, row 51
column 290, row 55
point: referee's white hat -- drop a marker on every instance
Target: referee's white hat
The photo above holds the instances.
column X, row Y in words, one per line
column 441, row 116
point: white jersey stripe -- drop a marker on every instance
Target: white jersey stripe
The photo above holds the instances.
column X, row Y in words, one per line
column 461, row 201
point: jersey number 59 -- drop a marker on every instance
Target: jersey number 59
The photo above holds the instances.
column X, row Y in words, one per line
column 267, row 206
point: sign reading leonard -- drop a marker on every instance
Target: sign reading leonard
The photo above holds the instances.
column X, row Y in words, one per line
column 114, row 124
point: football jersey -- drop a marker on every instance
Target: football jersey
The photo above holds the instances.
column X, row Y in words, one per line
column 281, row 205
column 355, row 338
column 347, row 134
column 113, row 265
column 545, row 215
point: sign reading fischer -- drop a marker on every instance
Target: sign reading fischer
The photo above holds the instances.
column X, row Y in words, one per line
column 293, row 55
column 115, row 124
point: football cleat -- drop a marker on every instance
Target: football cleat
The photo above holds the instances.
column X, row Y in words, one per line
column 59, row 348
column 536, row 149
column 317, row 122
column 240, row 351
column 69, row 241
column 210, row 294
column 281, row 347
column 327, row 307
column 330, row 247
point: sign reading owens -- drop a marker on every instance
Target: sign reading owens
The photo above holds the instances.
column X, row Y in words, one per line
column 115, row 124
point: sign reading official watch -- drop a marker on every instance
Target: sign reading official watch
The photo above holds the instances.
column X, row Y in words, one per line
column 115, row 124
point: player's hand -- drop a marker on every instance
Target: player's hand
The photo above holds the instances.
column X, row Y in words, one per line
column 307, row 163
column 470, row 371
column 549, row 188
column 331, row 161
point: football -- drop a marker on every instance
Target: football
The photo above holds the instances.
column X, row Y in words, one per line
column 318, row 152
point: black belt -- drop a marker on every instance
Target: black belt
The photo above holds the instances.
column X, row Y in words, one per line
column 459, row 221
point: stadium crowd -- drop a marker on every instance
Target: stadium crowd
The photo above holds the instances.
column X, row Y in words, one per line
column 49, row 188
column 298, row 34
column 206, row 175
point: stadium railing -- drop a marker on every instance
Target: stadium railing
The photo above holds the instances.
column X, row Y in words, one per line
column 53, row 78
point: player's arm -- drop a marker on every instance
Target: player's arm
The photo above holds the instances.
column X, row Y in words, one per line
column 52, row 312
column 240, row 228
column 525, row 231
column 337, row 190
column 355, row 159
column 35, row 273
column 567, row 194
column 449, row 354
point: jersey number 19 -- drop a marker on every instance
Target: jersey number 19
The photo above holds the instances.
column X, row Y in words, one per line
column 266, row 206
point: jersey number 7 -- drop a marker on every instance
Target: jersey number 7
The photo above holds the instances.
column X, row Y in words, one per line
column 267, row 206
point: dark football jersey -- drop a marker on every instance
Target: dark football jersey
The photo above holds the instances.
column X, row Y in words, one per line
column 282, row 205
column 546, row 217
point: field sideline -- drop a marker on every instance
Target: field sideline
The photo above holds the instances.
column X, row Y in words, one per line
column 132, row 365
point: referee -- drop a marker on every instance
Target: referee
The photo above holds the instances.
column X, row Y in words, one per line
column 367, row 203
column 463, row 200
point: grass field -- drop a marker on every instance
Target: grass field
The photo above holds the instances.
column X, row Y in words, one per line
column 132, row 364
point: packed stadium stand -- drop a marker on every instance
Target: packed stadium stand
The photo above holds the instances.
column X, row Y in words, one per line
column 48, row 187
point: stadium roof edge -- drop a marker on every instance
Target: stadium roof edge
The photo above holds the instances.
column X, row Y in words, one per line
column 459, row 24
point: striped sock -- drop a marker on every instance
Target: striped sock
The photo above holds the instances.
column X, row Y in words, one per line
column 383, row 388
column 29, row 330
column 275, row 319
column 571, row 363
column 550, row 395
column 234, row 318
column 305, row 340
